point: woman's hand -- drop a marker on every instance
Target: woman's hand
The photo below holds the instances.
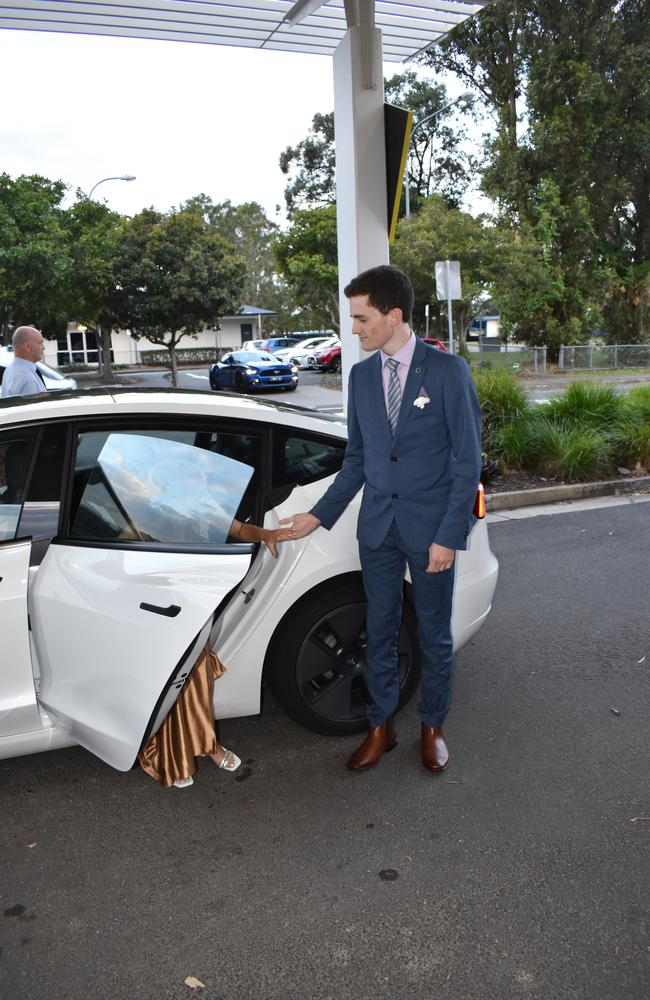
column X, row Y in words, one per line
column 271, row 537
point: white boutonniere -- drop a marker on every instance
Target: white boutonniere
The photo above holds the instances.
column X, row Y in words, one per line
column 421, row 402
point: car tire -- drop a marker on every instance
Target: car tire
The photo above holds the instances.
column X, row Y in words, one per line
column 315, row 662
column 336, row 366
column 215, row 386
column 239, row 383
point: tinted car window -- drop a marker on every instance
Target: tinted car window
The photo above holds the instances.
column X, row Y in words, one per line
column 16, row 450
column 301, row 459
column 155, row 487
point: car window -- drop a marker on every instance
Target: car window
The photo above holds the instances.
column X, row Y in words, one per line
column 16, row 450
column 301, row 459
column 171, row 487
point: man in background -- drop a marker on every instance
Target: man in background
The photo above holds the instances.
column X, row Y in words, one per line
column 22, row 377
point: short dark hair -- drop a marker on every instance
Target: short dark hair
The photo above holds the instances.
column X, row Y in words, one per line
column 386, row 287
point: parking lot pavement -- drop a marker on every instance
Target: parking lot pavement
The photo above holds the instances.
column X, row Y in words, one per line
column 520, row 873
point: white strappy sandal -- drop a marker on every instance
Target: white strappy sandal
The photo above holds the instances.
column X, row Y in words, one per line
column 229, row 762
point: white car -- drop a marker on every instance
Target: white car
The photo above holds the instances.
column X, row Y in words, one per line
column 53, row 379
column 297, row 354
column 116, row 568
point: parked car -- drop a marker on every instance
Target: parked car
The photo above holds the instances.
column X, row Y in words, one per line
column 297, row 354
column 434, row 343
column 116, row 568
column 300, row 354
column 248, row 371
column 272, row 344
column 327, row 359
column 54, row 380
column 254, row 345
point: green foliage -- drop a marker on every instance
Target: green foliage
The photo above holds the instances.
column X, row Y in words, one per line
column 498, row 262
column 570, row 172
column 438, row 161
column 309, row 167
column 307, row 258
column 584, row 403
column 570, row 452
column 175, row 275
column 636, row 404
column 588, row 431
column 504, row 404
column 35, row 260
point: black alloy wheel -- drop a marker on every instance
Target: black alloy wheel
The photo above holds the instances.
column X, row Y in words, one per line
column 315, row 665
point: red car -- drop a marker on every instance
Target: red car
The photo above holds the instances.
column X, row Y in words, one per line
column 434, row 342
column 327, row 360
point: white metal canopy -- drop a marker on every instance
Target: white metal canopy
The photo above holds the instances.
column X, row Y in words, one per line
column 307, row 26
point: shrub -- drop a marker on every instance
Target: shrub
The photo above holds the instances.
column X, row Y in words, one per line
column 630, row 445
column 570, row 452
column 636, row 404
column 503, row 402
column 586, row 404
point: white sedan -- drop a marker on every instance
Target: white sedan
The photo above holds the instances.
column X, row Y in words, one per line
column 298, row 354
column 116, row 568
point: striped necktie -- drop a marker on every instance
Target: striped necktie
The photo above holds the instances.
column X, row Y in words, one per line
column 394, row 394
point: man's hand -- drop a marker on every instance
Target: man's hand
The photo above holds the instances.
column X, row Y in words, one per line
column 440, row 558
column 302, row 524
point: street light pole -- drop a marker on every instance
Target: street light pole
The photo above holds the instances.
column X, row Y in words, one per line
column 122, row 177
column 103, row 336
column 467, row 98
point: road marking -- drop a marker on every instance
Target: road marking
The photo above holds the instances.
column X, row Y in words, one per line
column 192, row 375
column 567, row 507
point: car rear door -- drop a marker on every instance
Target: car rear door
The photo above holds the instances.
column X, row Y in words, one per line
column 125, row 596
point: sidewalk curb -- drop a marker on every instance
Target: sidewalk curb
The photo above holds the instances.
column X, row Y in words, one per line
column 565, row 492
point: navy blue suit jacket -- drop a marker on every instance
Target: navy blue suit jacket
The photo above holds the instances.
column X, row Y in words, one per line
column 426, row 476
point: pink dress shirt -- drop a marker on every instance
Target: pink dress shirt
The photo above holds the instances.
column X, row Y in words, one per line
column 404, row 356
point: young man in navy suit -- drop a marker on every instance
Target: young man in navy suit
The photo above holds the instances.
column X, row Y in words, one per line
column 414, row 445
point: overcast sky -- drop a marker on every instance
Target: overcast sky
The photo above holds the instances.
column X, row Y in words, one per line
column 184, row 118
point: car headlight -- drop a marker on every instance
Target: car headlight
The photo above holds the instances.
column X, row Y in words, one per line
column 294, row 368
column 250, row 371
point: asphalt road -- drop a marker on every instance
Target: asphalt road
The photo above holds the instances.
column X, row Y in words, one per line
column 521, row 873
column 314, row 390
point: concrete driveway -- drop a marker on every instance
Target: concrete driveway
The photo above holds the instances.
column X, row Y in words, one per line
column 521, row 873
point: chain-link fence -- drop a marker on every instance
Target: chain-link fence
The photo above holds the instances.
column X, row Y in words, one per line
column 591, row 357
column 512, row 357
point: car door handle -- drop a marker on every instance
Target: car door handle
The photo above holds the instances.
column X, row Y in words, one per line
column 169, row 612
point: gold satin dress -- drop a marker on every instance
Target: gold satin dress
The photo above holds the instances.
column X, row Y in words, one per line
column 188, row 731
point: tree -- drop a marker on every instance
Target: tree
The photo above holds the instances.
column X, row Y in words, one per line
column 440, row 232
column 437, row 163
column 310, row 167
column 35, row 264
column 569, row 162
column 497, row 261
column 93, row 232
column 175, row 275
column 307, row 259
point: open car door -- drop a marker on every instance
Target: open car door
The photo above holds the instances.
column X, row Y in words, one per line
column 123, row 603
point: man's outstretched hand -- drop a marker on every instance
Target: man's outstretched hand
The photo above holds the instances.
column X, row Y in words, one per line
column 302, row 524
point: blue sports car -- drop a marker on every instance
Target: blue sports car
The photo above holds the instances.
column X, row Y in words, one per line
column 246, row 371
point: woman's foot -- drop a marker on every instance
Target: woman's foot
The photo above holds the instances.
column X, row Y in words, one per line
column 183, row 782
column 225, row 759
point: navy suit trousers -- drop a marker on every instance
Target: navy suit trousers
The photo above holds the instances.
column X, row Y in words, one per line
column 383, row 581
